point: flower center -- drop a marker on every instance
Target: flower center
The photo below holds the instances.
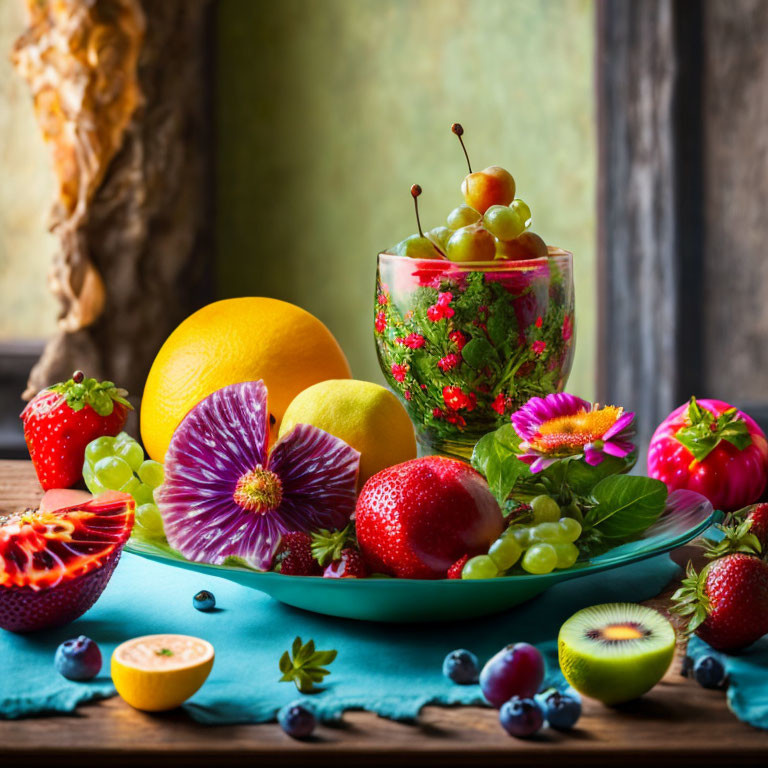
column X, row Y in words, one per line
column 259, row 490
column 572, row 432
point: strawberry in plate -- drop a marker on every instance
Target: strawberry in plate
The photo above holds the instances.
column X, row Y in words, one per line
column 416, row 519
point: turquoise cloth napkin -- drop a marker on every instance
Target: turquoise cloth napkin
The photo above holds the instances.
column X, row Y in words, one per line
column 391, row 669
column 748, row 679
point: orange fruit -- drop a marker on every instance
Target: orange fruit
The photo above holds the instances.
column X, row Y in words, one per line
column 159, row 672
column 229, row 342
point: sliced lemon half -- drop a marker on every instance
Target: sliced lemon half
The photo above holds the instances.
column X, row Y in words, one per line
column 158, row 672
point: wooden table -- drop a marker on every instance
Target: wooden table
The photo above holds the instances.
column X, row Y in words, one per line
column 677, row 723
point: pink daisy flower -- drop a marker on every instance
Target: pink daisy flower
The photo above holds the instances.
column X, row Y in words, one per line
column 562, row 425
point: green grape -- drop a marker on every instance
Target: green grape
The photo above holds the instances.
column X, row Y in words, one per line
column 123, row 437
column 151, row 473
column 91, row 483
column 143, row 495
column 131, row 451
column 545, row 510
column 504, row 222
column 548, row 532
column 540, row 558
column 471, row 243
column 479, row 567
column 505, row 552
column 567, row 554
column 571, row 528
column 440, row 236
column 99, row 448
column 523, row 212
column 573, row 511
column 463, row 216
column 417, row 247
column 112, row 472
column 149, row 518
column 521, row 534
column 131, row 486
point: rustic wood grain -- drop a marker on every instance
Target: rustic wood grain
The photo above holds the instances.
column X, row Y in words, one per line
column 677, row 723
column 735, row 266
column 650, row 191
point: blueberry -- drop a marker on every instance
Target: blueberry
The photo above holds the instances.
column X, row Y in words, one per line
column 461, row 666
column 521, row 717
column 297, row 720
column 709, row 672
column 686, row 667
column 78, row 659
column 204, row 600
column 562, row 710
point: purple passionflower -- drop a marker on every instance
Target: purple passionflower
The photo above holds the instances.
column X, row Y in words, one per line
column 225, row 495
column 561, row 425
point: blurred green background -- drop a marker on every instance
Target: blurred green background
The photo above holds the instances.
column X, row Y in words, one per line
column 328, row 111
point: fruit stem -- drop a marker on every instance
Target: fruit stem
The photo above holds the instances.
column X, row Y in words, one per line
column 78, row 377
column 459, row 131
column 415, row 192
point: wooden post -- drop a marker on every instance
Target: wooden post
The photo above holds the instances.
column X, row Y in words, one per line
column 650, row 191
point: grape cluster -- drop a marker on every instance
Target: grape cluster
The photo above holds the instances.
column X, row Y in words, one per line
column 118, row 464
column 541, row 546
column 490, row 224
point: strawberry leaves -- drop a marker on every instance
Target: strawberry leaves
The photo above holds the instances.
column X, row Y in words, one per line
column 99, row 395
column 690, row 601
column 704, row 431
column 304, row 666
column 738, row 539
column 327, row 545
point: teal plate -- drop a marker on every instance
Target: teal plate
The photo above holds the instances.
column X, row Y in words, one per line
column 686, row 516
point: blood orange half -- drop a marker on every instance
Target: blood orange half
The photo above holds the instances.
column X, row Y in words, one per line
column 54, row 564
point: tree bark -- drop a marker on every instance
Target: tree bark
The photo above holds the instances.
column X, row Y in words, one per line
column 133, row 161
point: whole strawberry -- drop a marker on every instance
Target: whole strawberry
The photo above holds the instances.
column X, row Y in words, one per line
column 294, row 555
column 416, row 519
column 60, row 421
column 349, row 565
column 727, row 603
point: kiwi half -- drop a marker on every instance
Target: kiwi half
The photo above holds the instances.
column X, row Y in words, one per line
column 615, row 652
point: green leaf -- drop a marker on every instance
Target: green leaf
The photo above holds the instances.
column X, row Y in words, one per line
column 582, row 478
column 305, row 666
column 495, row 457
column 99, row 395
column 478, row 352
column 627, row 505
column 704, row 432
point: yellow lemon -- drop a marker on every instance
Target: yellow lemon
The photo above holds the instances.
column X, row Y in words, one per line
column 158, row 672
column 362, row 414
column 229, row 342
